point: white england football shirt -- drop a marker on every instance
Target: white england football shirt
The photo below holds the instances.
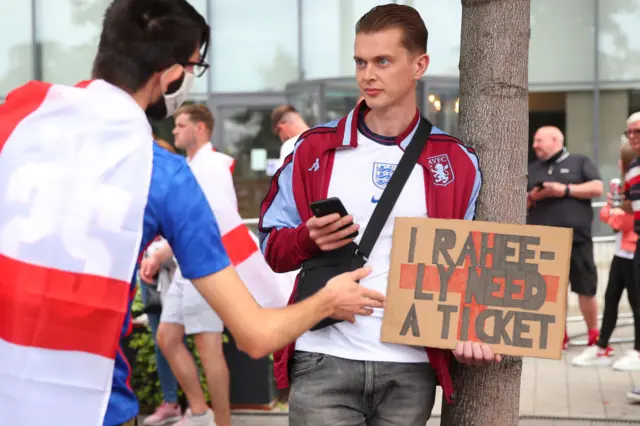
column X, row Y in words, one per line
column 358, row 179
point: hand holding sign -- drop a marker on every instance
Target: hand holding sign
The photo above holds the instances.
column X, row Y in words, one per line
column 473, row 353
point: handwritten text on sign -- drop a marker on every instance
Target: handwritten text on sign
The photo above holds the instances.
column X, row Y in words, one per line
column 457, row 281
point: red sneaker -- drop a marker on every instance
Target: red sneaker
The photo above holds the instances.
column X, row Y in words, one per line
column 594, row 334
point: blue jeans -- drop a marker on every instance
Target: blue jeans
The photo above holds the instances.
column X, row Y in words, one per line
column 328, row 391
column 168, row 381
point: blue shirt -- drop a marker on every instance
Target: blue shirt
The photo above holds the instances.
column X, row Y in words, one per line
column 178, row 210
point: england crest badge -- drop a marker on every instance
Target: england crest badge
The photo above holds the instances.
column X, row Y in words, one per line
column 441, row 170
column 382, row 173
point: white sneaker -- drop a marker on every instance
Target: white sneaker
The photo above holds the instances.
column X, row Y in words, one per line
column 203, row 420
column 634, row 395
column 629, row 362
column 593, row 356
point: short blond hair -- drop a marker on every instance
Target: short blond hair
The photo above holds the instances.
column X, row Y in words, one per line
column 198, row 113
column 279, row 113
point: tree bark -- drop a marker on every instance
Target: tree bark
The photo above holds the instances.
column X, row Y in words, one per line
column 494, row 119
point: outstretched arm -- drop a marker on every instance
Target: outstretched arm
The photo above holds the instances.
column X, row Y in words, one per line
column 259, row 332
column 191, row 229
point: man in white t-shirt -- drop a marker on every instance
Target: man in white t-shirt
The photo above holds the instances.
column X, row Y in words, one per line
column 343, row 373
column 288, row 125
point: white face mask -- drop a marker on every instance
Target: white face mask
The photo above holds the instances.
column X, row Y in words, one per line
column 169, row 103
column 175, row 100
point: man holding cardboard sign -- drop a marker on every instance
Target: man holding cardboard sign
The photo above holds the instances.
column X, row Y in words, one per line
column 341, row 372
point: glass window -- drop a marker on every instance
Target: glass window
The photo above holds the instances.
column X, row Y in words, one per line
column 562, row 43
column 254, row 45
column 619, row 45
column 328, row 34
column 307, row 100
column 442, row 108
column 245, row 130
column 69, row 32
column 16, row 66
column 443, row 20
column 201, row 85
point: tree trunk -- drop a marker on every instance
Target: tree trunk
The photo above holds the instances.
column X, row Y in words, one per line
column 494, row 120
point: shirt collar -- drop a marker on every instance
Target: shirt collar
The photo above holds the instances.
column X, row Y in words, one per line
column 350, row 135
column 206, row 147
column 557, row 157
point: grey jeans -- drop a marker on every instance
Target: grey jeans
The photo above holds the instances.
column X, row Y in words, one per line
column 331, row 391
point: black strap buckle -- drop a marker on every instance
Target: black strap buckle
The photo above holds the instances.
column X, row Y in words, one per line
column 361, row 255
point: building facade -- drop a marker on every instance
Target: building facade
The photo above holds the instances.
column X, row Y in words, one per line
column 584, row 65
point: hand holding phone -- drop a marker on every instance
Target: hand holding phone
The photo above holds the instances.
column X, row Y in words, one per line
column 331, row 227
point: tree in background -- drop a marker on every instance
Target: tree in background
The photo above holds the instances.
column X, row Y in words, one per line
column 494, row 54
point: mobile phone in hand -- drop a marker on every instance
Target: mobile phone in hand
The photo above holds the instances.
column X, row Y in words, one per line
column 329, row 206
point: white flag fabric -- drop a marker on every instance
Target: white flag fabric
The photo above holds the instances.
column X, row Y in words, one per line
column 74, row 182
column 211, row 169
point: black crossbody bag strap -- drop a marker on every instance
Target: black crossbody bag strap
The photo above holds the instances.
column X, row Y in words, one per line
column 394, row 188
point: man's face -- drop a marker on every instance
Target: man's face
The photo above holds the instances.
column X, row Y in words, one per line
column 284, row 130
column 386, row 71
column 184, row 132
column 633, row 134
column 544, row 145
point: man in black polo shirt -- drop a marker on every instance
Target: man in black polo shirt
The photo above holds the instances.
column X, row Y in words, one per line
column 561, row 187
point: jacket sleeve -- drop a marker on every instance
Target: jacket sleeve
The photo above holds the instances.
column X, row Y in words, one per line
column 621, row 222
column 284, row 237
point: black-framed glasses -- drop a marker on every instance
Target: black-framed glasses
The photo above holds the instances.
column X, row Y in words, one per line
column 199, row 68
column 633, row 132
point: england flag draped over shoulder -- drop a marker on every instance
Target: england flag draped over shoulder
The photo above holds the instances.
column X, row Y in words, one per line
column 71, row 216
column 212, row 170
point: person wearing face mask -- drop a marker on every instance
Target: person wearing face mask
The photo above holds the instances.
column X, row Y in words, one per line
column 83, row 192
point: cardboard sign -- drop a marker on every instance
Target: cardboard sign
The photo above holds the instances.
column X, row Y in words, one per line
column 459, row 280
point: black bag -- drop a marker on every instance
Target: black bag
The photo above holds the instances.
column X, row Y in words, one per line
column 317, row 271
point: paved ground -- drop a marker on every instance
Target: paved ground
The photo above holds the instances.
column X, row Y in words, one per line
column 556, row 388
column 271, row 420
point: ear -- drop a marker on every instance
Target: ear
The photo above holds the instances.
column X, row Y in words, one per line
column 422, row 63
column 170, row 75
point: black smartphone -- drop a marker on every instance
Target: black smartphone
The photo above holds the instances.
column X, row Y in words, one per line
column 329, row 206
column 539, row 185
